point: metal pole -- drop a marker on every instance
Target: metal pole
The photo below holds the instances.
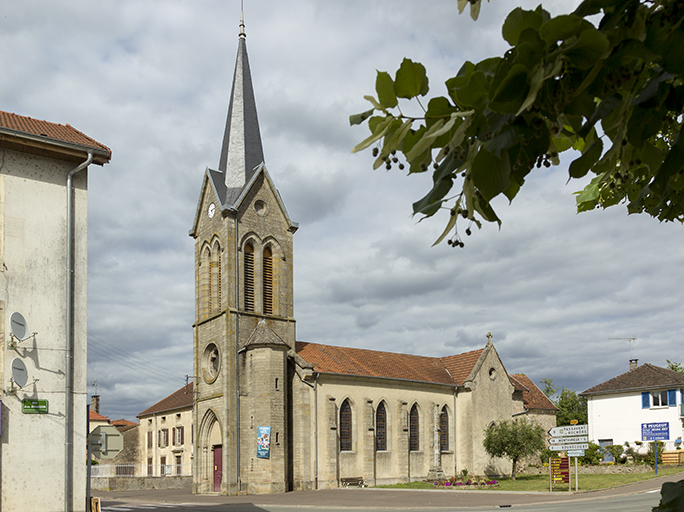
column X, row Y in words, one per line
column 576, row 477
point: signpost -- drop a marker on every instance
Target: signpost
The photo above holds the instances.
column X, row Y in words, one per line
column 34, row 406
column 573, row 439
column 655, row 432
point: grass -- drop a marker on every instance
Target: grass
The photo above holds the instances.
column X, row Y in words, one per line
column 540, row 483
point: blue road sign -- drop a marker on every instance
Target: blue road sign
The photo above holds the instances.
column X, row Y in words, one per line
column 655, row 431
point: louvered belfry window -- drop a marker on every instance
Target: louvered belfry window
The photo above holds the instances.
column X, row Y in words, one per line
column 414, row 431
column 444, row 430
column 249, row 278
column 268, row 281
column 381, row 428
column 345, row 427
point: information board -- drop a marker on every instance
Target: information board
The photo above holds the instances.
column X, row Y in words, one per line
column 34, row 406
column 655, row 431
column 560, row 470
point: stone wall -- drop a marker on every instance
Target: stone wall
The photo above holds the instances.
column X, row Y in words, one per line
column 140, row 483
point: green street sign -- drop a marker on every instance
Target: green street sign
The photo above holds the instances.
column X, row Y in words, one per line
column 34, row 406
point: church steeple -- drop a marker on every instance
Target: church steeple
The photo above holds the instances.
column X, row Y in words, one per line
column 241, row 151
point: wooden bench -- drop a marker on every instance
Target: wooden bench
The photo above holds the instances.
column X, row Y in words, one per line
column 355, row 481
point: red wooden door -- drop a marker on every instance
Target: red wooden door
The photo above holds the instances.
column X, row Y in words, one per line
column 218, row 467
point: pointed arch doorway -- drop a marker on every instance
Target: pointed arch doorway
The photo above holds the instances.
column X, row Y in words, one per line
column 210, row 444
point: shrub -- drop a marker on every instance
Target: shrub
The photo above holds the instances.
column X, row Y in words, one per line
column 650, row 456
column 592, row 456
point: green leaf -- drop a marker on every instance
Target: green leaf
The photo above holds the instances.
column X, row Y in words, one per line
column 429, row 204
column 379, row 132
column 562, row 27
column 591, row 46
column 519, row 20
column 360, row 118
column 384, row 86
column 450, row 225
column 411, row 80
column 490, row 174
column 581, row 165
column 513, row 86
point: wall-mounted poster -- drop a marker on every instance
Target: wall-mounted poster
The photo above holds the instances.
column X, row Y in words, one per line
column 264, row 443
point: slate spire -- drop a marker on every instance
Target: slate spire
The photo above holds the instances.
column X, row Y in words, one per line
column 241, row 151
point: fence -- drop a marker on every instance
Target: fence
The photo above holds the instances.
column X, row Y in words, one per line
column 139, row 470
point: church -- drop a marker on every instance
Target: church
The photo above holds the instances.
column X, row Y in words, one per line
column 273, row 414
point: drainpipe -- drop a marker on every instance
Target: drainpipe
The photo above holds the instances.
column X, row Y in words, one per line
column 454, row 422
column 68, row 377
column 237, row 350
column 316, row 432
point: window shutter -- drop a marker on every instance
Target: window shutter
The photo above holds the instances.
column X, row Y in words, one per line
column 150, row 436
column 645, row 400
column 173, row 436
column 249, row 278
column 267, row 278
column 182, row 435
column 671, row 397
column 159, row 432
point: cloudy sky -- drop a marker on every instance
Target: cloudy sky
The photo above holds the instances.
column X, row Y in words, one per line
column 151, row 80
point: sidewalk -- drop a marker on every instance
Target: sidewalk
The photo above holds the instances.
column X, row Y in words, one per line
column 383, row 498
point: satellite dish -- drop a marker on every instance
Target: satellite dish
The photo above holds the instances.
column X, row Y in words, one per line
column 18, row 326
column 19, row 372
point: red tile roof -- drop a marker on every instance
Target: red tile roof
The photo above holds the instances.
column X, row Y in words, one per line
column 646, row 376
column 96, row 416
column 451, row 370
column 16, row 124
column 179, row 400
column 533, row 397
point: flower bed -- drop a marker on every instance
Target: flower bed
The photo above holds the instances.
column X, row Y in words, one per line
column 470, row 483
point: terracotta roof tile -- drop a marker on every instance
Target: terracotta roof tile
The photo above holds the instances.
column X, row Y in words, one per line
column 461, row 365
column 533, row 397
column 646, row 376
column 373, row 363
column 178, row 400
column 96, row 416
column 60, row 132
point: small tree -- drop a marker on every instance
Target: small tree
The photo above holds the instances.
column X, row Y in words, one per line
column 571, row 407
column 674, row 366
column 514, row 440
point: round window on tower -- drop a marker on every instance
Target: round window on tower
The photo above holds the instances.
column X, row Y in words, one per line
column 211, row 363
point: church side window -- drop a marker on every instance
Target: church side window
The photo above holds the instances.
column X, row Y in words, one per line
column 267, row 278
column 444, row 430
column 345, row 426
column 249, row 278
column 205, row 283
column 414, row 431
column 216, row 278
column 381, row 428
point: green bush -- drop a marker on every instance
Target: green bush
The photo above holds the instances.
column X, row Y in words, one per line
column 617, row 451
column 650, row 456
column 591, row 456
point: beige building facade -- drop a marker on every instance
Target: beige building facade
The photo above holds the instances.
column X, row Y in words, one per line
column 43, row 275
column 273, row 414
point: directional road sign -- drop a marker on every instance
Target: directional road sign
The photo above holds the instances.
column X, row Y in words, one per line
column 566, row 440
column 570, row 430
column 573, row 446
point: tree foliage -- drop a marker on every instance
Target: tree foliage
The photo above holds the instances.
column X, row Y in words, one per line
column 549, row 388
column 571, row 407
column 613, row 92
column 677, row 367
column 514, row 440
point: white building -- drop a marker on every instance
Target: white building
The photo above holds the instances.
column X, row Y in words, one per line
column 618, row 407
column 43, row 257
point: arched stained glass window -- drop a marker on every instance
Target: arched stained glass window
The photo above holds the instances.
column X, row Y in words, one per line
column 414, row 429
column 381, row 427
column 345, row 426
column 444, row 430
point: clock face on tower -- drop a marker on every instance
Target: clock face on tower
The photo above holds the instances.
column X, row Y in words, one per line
column 211, row 210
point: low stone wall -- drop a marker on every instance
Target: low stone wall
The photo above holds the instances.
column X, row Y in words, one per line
column 620, row 469
column 122, row 483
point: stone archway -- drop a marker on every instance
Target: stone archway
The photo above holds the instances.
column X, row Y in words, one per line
column 209, row 445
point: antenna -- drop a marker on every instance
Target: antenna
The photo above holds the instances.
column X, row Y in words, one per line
column 631, row 340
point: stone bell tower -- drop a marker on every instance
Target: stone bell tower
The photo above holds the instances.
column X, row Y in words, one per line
column 244, row 313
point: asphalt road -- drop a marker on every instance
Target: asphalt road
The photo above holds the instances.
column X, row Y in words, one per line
column 641, row 496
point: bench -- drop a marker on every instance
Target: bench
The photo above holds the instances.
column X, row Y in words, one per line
column 355, row 481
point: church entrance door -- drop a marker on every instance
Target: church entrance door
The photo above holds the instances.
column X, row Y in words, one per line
column 218, row 467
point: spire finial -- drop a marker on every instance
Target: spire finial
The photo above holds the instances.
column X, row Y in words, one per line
column 243, row 34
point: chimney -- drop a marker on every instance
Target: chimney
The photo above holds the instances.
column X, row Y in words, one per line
column 95, row 403
column 633, row 363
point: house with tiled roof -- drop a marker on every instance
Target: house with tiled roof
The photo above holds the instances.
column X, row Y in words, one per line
column 536, row 405
column 165, row 437
column 44, row 170
column 273, row 414
column 618, row 407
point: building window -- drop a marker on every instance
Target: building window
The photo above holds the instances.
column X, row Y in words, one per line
column 179, row 465
column 249, row 278
column 150, row 439
column 150, row 467
column 178, row 436
column 205, row 283
column 162, row 468
column 444, row 430
column 663, row 398
column 215, row 300
column 345, row 427
column 381, row 428
column 414, row 431
column 163, row 438
column 267, row 279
